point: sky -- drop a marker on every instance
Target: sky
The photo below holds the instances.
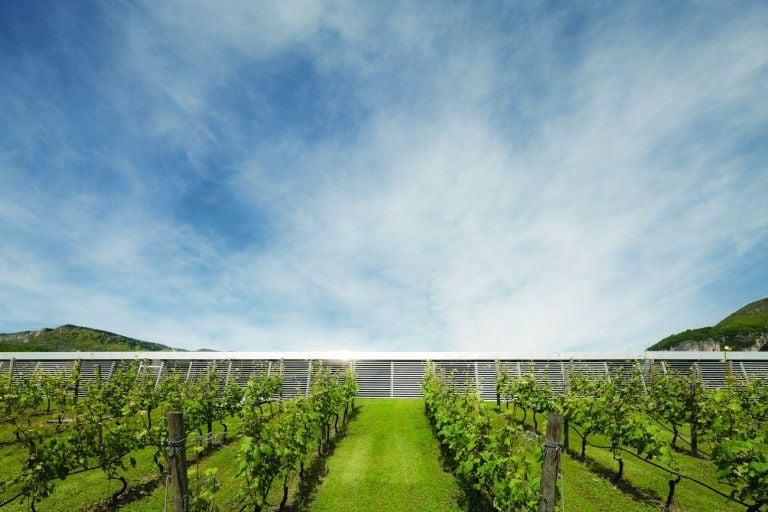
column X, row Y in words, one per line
column 387, row 176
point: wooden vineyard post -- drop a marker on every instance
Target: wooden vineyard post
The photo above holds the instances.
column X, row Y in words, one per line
column 550, row 463
column 178, row 461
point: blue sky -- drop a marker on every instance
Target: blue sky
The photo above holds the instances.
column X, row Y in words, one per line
column 302, row 175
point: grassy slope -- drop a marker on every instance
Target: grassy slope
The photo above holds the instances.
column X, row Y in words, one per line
column 751, row 315
column 389, row 461
column 73, row 338
column 738, row 330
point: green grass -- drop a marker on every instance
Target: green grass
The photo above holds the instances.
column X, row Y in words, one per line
column 84, row 490
column 589, row 484
column 79, row 490
column 751, row 315
column 389, row 461
column 590, row 492
column 222, row 459
column 643, row 482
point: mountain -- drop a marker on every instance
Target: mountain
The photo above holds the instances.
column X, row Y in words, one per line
column 746, row 329
column 72, row 338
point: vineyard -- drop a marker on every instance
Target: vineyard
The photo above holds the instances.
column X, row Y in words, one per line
column 631, row 440
column 52, row 432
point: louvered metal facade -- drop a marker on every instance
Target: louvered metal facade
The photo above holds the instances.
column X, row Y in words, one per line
column 390, row 374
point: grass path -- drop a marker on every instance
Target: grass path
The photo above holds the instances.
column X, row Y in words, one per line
column 388, row 461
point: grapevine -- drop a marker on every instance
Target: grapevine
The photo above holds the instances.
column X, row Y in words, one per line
column 491, row 460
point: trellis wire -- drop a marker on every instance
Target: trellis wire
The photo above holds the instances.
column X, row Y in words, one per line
column 165, row 498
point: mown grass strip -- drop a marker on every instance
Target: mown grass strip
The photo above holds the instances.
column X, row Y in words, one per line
column 388, row 461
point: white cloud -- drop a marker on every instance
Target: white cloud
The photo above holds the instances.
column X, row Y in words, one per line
column 601, row 232
column 500, row 193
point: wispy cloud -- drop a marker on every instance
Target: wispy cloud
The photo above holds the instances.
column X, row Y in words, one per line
column 328, row 175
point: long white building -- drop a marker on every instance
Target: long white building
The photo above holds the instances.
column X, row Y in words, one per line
column 393, row 374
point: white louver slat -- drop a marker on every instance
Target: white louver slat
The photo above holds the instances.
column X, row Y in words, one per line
column 23, row 369
column 373, row 379
column 197, row 369
column 755, row 369
column 623, row 369
column 151, row 372
column 590, row 368
column 244, row 369
column 295, row 378
column 549, row 372
column 462, row 372
column 713, row 373
column 486, row 372
column 387, row 376
column 407, row 378
column 682, row 367
column 57, row 367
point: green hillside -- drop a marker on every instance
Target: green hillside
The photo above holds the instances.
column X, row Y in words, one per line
column 746, row 329
column 71, row 338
